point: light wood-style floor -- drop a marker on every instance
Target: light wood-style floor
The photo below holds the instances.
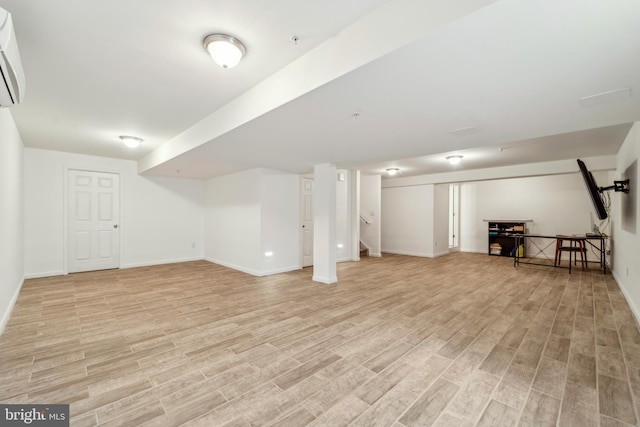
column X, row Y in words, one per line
column 460, row 340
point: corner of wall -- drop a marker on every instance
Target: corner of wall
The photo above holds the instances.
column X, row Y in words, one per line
column 625, row 240
column 11, row 215
column 7, row 314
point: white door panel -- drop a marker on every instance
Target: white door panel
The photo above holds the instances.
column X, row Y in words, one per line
column 93, row 221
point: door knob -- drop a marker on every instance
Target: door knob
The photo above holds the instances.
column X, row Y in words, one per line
column 115, row 225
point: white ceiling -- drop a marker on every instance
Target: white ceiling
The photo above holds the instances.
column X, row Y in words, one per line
column 513, row 70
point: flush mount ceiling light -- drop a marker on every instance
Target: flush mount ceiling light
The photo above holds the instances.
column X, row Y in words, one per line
column 131, row 141
column 392, row 171
column 225, row 50
column 454, row 160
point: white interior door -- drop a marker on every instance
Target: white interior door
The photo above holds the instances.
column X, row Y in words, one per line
column 307, row 222
column 93, row 221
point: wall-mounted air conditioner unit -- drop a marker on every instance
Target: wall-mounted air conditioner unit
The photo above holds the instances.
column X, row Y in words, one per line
column 11, row 73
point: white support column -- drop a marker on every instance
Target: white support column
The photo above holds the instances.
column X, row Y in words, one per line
column 324, row 223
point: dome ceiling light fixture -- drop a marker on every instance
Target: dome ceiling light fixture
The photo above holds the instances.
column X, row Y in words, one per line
column 225, row 50
column 131, row 141
column 454, row 160
column 392, row 171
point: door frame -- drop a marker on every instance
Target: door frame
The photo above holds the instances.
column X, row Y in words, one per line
column 301, row 191
column 454, row 204
column 65, row 211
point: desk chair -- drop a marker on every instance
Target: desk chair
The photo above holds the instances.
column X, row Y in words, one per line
column 572, row 245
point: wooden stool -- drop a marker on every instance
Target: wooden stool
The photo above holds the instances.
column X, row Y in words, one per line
column 573, row 246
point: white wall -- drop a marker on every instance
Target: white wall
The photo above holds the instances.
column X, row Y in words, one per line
column 232, row 221
column 280, row 221
column 11, row 215
column 415, row 220
column 161, row 219
column 626, row 244
column 407, row 220
column 371, row 207
column 557, row 204
column 441, row 220
column 470, row 234
column 250, row 213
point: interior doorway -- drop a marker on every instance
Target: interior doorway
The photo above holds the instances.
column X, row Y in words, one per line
column 454, row 217
column 93, row 216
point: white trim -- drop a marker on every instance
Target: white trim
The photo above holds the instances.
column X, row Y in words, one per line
column 160, row 262
column 632, row 306
column 280, row 270
column 354, row 208
column 251, row 271
column 344, row 259
column 325, row 280
column 45, row 274
column 233, row 266
column 378, row 255
column 419, row 254
column 300, row 226
column 7, row 315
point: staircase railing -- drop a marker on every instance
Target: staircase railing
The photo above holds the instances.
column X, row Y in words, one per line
column 364, row 218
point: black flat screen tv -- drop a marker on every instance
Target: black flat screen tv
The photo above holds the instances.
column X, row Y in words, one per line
column 593, row 190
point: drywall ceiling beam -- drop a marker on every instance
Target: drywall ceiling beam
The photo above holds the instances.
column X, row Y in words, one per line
column 393, row 25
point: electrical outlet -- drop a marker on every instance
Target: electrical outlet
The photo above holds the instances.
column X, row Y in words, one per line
column 193, row 245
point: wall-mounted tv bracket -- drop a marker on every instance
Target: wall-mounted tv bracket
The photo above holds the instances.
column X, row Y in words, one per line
column 618, row 186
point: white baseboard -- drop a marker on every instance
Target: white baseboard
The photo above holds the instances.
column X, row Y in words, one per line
column 325, row 280
column 376, row 254
column 45, row 274
column 346, row 259
column 160, row 262
column 123, row 266
column 280, row 270
column 233, row 266
column 632, row 306
column 7, row 314
column 251, row 271
column 418, row 254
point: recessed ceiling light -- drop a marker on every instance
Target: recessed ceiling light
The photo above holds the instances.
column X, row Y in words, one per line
column 454, row 160
column 225, row 50
column 392, row 171
column 131, row 141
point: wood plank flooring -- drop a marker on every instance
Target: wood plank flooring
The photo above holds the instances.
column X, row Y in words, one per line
column 461, row 340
